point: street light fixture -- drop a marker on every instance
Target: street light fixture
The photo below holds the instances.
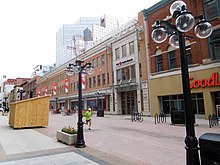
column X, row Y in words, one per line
column 21, row 91
column 184, row 22
column 80, row 68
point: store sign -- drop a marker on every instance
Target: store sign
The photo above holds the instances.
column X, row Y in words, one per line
column 211, row 82
column 124, row 62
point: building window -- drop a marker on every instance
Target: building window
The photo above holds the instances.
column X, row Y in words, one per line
column 159, row 60
column 198, row 103
column 131, row 48
column 159, row 63
column 103, row 79
column 172, row 57
column 124, row 53
column 117, row 56
column 212, row 8
column 94, row 81
column 119, row 76
column 71, row 87
column 188, row 53
column 215, row 45
column 90, row 82
column 176, row 103
column 86, row 86
column 98, row 62
column 103, row 59
column 217, row 98
column 93, row 62
column 99, row 80
column 140, row 70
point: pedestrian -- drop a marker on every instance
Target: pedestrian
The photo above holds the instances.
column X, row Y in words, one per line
column 88, row 116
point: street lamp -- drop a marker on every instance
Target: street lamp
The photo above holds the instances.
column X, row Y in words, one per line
column 21, row 91
column 184, row 21
column 98, row 106
column 5, row 103
column 56, row 106
column 80, row 68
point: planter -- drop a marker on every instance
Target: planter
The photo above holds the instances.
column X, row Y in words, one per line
column 66, row 138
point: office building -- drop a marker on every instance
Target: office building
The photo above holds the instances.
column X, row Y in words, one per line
column 73, row 39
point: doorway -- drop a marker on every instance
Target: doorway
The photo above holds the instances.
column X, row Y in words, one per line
column 129, row 102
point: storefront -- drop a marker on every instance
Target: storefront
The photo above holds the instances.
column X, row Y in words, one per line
column 166, row 92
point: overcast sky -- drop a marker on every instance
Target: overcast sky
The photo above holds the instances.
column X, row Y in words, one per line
column 28, row 28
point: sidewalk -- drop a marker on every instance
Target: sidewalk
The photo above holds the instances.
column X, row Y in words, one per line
column 27, row 146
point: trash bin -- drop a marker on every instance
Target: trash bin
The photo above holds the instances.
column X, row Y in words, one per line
column 178, row 117
column 100, row 113
column 210, row 149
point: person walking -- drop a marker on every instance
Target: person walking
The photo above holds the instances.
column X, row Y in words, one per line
column 88, row 116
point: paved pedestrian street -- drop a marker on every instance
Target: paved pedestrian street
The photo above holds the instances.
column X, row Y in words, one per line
column 114, row 139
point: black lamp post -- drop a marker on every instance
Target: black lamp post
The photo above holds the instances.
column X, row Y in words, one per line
column 184, row 21
column 56, row 106
column 79, row 67
column 21, row 91
column 5, row 103
column 98, row 105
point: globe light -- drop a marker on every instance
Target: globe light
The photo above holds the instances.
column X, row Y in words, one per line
column 69, row 72
column 159, row 34
column 176, row 6
column 203, row 29
column 89, row 69
column 76, row 68
column 174, row 41
column 185, row 22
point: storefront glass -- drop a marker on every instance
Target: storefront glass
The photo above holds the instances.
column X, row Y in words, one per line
column 176, row 103
column 217, row 98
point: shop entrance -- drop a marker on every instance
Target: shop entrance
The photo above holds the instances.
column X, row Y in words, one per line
column 129, row 102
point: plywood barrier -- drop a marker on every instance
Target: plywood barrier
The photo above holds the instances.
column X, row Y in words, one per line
column 32, row 112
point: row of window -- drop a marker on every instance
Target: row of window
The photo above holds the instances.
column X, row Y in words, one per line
column 176, row 103
column 124, row 51
column 215, row 44
column 97, row 62
column 125, row 74
column 96, row 80
column 212, row 9
column 171, row 58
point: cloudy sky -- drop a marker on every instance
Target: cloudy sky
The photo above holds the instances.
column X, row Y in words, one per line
column 28, row 28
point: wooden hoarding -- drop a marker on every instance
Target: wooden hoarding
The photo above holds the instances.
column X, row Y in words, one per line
column 32, row 112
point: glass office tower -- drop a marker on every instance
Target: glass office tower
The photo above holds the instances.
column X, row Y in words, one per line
column 73, row 39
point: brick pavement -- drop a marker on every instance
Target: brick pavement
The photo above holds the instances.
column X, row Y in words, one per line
column 117, row 140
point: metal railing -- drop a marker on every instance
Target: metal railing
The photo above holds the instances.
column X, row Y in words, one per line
column 213, row 120
column 160, row 118
column 137, row 116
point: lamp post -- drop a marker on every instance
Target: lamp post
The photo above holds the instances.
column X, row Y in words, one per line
column 80, row 68
column 56, row 106
column 5, row 103
column 98, row 106
column 21, row 91
column 184, row 21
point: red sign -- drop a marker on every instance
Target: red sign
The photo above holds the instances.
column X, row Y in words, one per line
column 211, row 82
